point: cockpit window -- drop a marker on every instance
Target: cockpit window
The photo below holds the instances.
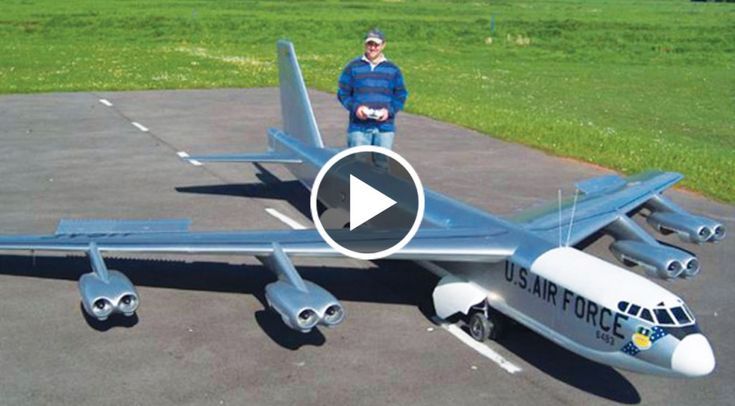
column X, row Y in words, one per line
column 688, row 311
column 640, row 311
column 663, row 316
column 680, row 316
column 633, row 311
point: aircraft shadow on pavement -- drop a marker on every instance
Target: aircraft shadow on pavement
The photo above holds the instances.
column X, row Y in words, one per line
column 115, row 320
column 269, row 187
column 414, row 285
column 347, row 284
column 568, row 367
column 555, row 361
column 392, row 282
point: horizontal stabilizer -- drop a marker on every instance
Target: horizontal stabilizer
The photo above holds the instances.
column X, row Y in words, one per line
column 86, row 226
column 265, row 157
column 601, row 184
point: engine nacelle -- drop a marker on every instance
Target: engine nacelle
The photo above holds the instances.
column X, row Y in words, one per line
column 689, row 228
column 658, row 260
column 102, row 298
column 303, row 310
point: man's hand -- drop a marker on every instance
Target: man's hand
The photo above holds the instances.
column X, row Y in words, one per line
column 384, row 114
column 360, row 112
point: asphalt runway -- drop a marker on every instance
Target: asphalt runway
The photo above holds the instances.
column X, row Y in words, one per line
column 203, row 335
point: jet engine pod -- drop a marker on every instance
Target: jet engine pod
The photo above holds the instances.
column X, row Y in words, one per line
column 302, row 310
column 333, row 315
column 658, row 260
column 101, row 298
column 689, row 228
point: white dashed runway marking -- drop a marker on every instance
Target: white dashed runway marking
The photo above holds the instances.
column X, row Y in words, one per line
column 184, row 155
column 140, row 127
column 479, row 347
column 285, row 219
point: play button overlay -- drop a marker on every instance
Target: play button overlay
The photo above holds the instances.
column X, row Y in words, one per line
column 367, row 202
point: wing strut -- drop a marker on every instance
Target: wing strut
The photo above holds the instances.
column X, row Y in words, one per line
column 282, row 266
column 98, row 263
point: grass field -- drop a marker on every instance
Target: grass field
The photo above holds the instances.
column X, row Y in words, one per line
column 625, row 84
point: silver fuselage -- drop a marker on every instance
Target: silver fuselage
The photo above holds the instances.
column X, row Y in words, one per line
column 550, row 303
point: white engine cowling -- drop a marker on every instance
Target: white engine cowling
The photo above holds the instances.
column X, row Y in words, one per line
column 455, row 295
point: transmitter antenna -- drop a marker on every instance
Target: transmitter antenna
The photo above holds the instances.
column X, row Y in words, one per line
column 571, row 219
column 559, row 195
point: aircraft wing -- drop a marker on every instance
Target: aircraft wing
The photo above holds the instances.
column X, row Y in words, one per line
column 601, row 201
column 172, row 236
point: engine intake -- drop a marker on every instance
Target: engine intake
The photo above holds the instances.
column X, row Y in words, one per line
column 302, row 310
column 658, row 260
column 689, row 228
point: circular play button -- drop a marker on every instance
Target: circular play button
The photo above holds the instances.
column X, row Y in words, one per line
column 367, row 202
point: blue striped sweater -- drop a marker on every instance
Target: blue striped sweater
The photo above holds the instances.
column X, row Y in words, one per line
column 378, row 87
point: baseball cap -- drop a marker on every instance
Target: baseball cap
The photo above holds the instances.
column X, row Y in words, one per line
column 375, row 35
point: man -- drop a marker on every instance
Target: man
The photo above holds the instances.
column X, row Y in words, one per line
column 371, row 88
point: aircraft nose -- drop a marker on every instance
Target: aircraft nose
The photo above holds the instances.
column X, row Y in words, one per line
column 693, row 356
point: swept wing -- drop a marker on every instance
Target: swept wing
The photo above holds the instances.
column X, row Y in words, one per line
column 601, row 201
column 169, row 236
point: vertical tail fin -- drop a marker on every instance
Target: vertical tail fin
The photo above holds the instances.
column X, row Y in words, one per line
column 296, row 111
column 298, row 118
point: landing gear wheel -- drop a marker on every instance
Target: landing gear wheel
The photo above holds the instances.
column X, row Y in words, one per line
column 479, row 326
column 497, row 325
column 482, row 327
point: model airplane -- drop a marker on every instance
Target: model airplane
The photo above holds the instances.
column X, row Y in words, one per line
column 490, row 268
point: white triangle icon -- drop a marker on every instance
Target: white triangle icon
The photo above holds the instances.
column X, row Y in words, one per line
column 366, row 202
